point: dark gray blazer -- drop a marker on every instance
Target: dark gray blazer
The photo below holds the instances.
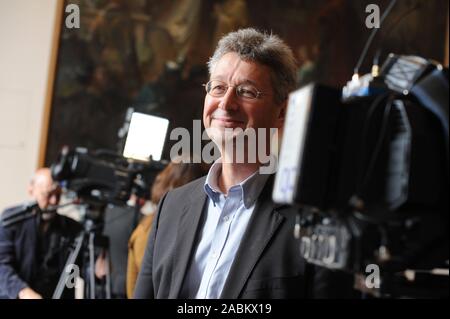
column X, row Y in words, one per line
column 267, row 263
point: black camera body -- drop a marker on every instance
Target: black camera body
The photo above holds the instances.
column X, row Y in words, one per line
column 103, row 177
column 368, row 172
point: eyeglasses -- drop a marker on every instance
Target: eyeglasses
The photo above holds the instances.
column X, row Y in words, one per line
column 246, row 91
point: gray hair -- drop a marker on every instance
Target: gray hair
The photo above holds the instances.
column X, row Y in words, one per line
column 263, row 48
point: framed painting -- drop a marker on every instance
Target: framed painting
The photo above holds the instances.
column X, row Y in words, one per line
column 150, row 56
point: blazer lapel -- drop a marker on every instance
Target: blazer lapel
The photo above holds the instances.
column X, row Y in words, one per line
column 261, row 228
column 188, row 227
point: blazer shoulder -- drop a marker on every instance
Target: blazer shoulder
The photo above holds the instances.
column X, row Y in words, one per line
column 189, row 189
column 177, row 199
column 17, row 214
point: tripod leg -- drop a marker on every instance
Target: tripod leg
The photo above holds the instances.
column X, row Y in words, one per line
column 91, row 266
column 70, row 261
column 108, row 275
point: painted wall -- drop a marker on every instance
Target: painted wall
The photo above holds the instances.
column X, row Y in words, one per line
column 26, row 35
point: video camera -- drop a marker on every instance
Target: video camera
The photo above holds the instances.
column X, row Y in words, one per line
column 367, row 168
column 100, row 178
column 103, row 177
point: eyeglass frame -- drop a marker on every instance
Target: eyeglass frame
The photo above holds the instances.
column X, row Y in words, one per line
column 258, row 93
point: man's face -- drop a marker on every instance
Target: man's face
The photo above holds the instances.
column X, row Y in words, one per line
column 45, row 191
column 231, row 111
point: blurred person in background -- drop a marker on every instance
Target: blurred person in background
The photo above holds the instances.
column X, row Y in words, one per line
column 34, row 242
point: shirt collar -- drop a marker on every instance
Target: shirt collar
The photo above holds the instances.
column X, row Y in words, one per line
column 211, row 184
column 251, row 187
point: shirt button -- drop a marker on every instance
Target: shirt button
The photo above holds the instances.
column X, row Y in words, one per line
column 226, row 218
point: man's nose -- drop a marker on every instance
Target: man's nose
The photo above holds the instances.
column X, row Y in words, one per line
column 229, row 101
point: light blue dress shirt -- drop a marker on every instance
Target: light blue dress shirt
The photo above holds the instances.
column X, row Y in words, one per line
column 227, row 218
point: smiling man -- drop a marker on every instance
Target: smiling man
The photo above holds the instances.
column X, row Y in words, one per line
column 241, row 103
column 221, row 236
